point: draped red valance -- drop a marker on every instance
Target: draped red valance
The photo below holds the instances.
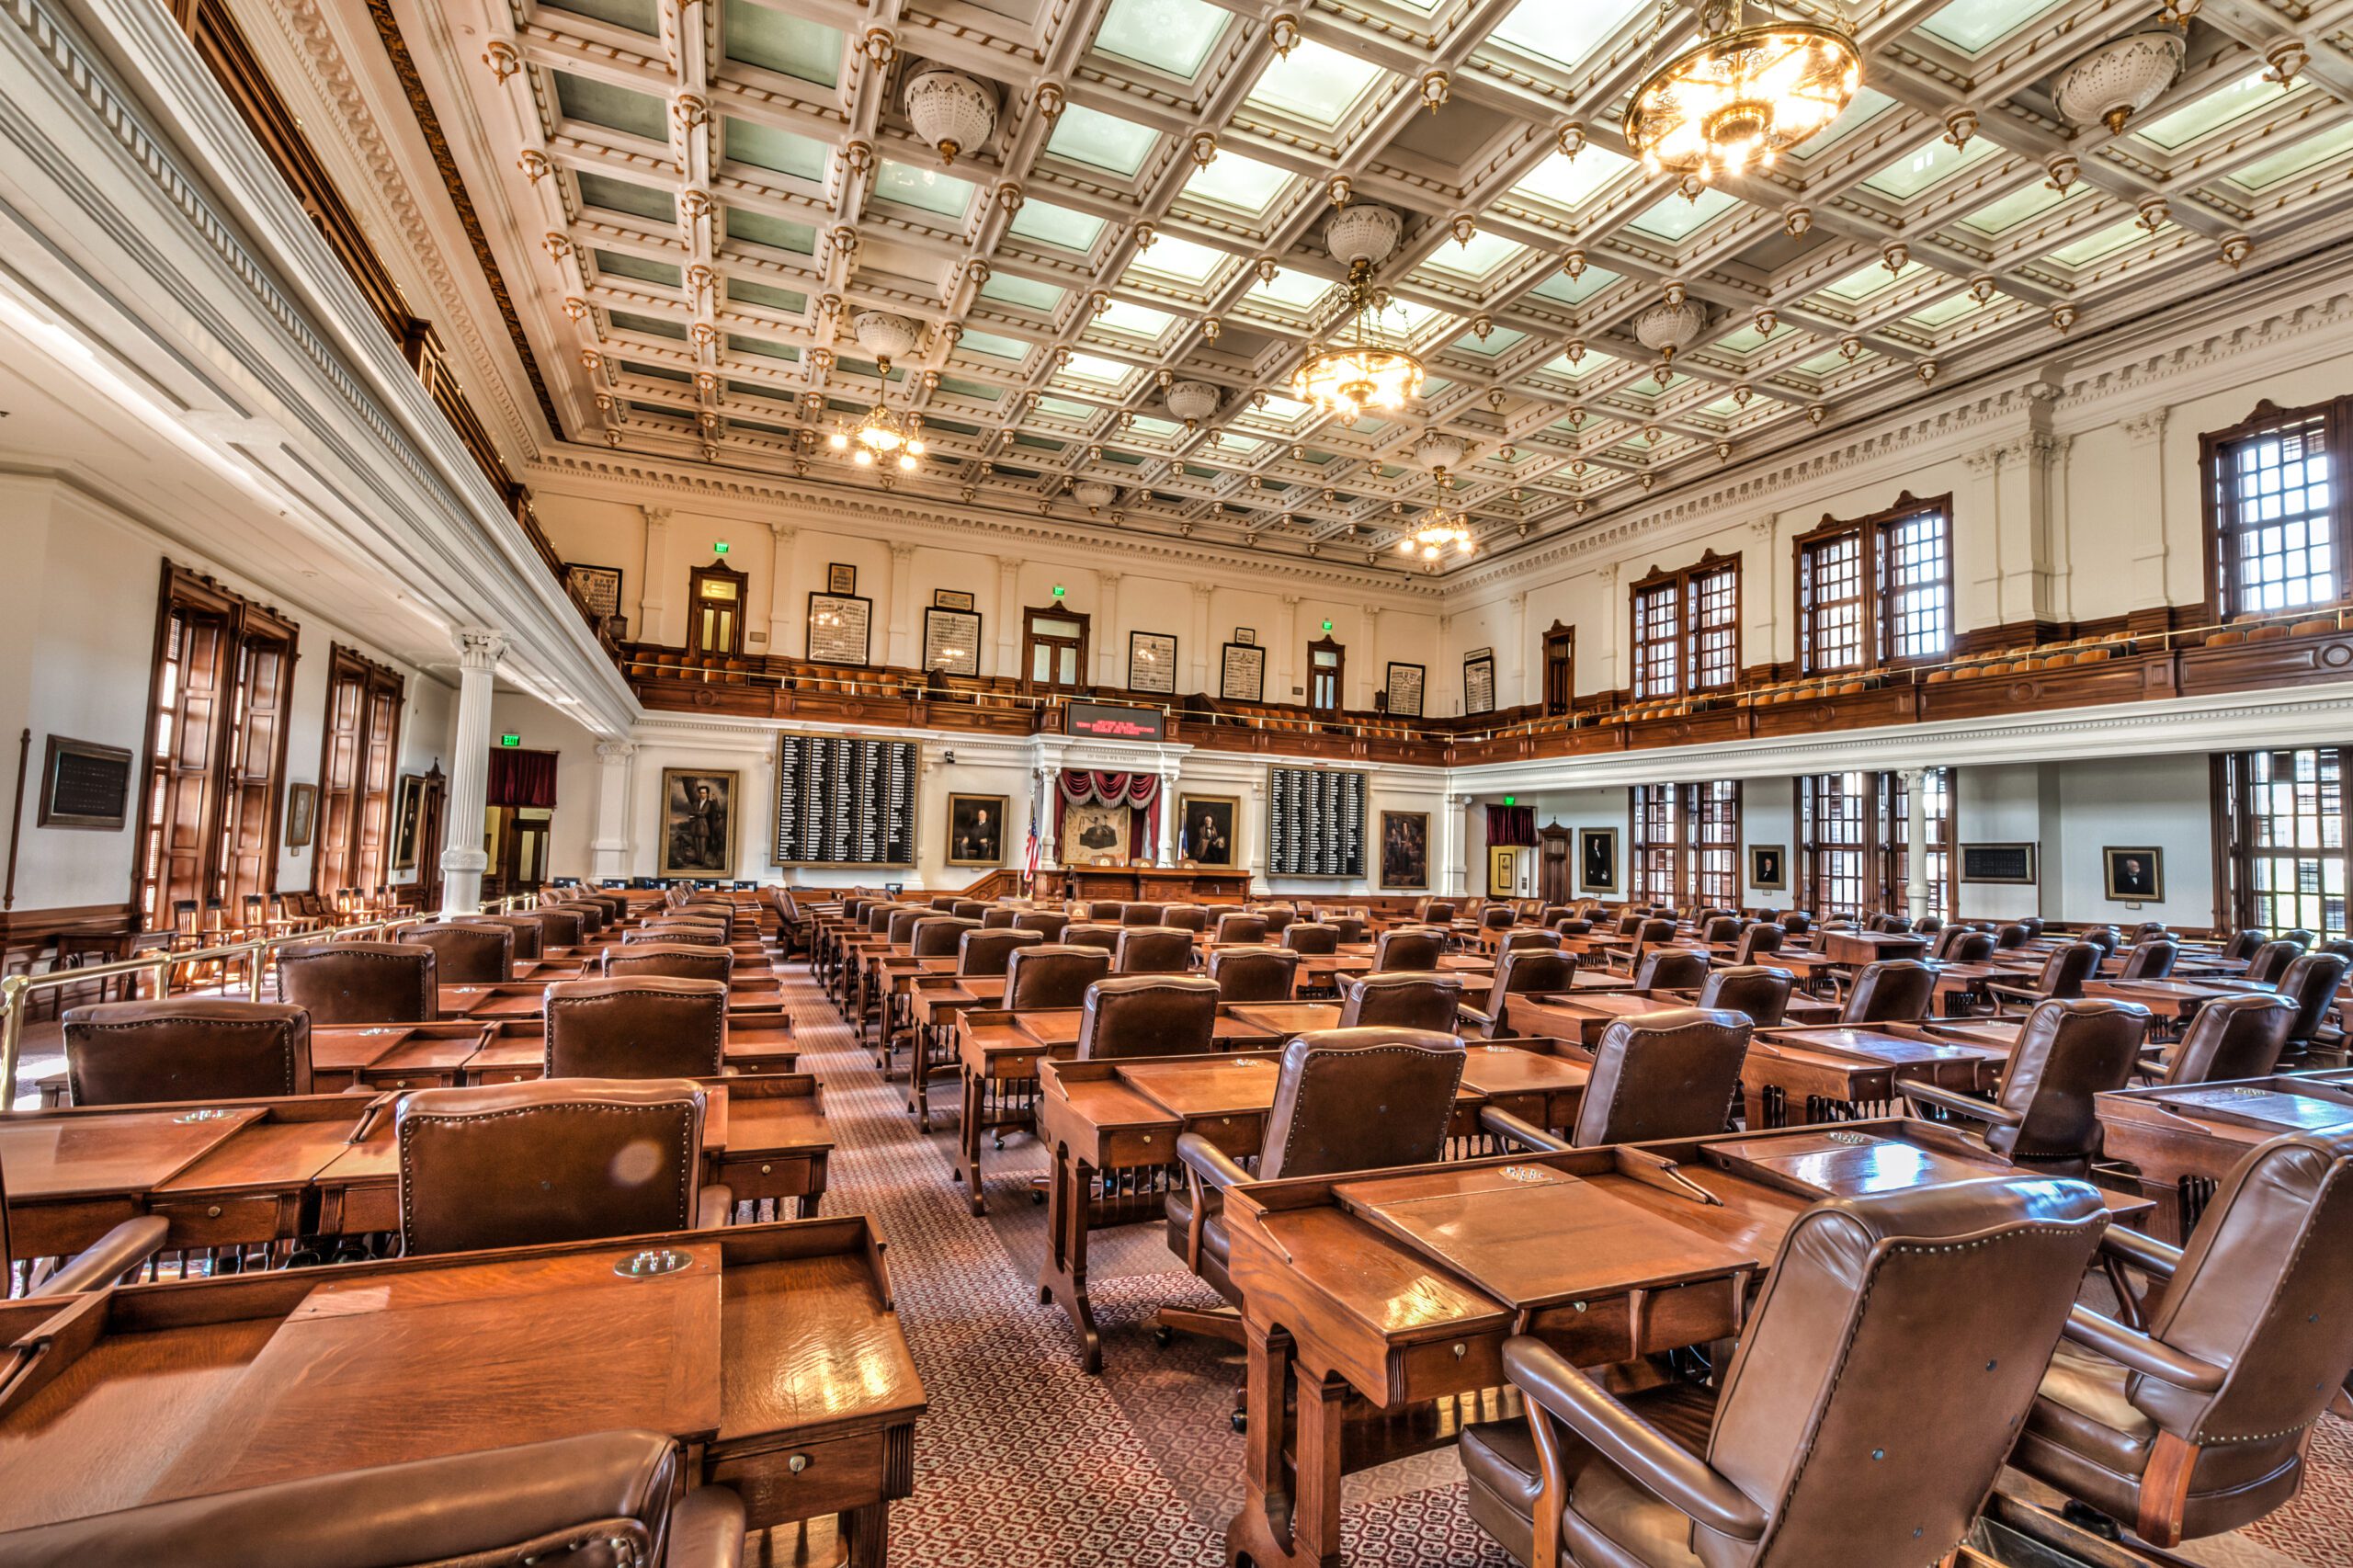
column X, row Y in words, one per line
column 522, row 778
column 1508, row 825
column 1080, row 787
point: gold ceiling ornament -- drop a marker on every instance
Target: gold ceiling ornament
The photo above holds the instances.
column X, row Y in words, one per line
column 1441, row 529
column 503, row 59
column 2233, row 250
column 1743, row 96
column 1364, row 371
column 1960, row 124
column 1981, row 288
column 1436, row 90
column 1283, row 33
column 1571, row 139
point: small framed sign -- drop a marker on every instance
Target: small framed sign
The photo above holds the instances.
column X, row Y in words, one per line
column 838, row 627
column 841, row 577
column 2009, row 863
column 84, row 784
column 1242, row 673
column 1404, row 691
column 1479, row 682
column 1151, row 661
column 950, row 598
column 302, row 814
column 1247, row 635
column 951, row 641
column 601, row 588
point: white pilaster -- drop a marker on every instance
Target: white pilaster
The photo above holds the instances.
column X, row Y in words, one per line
column 653, row 586
column 1008, row 619
column 463, row 860
column 1169, row 814
column 1519, row 660
column 1201, row 639
column 610, row 850
column 1041, row 801
column 897, row 601
column 1110, row 648
column 1915, row 843
column 1373, row 675
column 2145, row 478
column 1455, row 879
column 1292, row 671
column 784, row 604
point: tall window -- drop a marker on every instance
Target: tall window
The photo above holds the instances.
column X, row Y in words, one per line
column 2276, row 512
column 1686, row 844
column 2284, row 839
column 1877, row 590
column 355, row 762
column 216, row 750
column 1854, row 844
column 1687, row 629
column 1560, row 669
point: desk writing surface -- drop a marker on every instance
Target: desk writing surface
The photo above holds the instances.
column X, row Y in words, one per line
column 755, row 1124
column 1376, row 1277
column 1500, row 1070
column 268, row 1156
column 593, row 1353
column 347, row 1048
column 1058, row 1028
column 1877, row 1046
column 1209, row 1086
column 2273, row 1105
column 1287, row 1019
column 1846, row 1164
column 1532, row 1236
column 809, row 1341
column 70, row 1156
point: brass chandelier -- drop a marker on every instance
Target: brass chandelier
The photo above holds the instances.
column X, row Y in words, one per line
column 1364, row 373
column 1440, row 529
column 882, row 433
column 1743, row 96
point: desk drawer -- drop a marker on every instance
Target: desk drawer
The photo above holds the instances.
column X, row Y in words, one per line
column 412, row 1078
column 773, row 1175
column 228, row 1221
column 836, row 1474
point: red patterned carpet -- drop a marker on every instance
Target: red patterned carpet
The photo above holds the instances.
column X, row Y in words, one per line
column 1026, row 1461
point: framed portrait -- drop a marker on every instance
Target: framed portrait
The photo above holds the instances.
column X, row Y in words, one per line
column 1151, row 661
column 840, row 577
column 408, row 809
column 1503, row 870
column 1769, row 867
column 697, row 823
column 1598, row 859
column 950, row 598
column 1479, row 683
column 1205, row 833
column 2135, row 875
column 302, row 814
column 1094, row 835
column 601, row 588
column 951, row 641
column 84, row 784
column 976, row 830
column 1404, row 850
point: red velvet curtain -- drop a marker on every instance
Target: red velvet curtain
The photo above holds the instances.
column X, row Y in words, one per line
column 1081, row 787
column 522, row 778
column 1508, row 825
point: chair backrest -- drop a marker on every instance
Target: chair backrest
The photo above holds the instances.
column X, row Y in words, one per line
column 2264, row 1290
column 943, row 903
column 1311, row 937
column 184, row 1047
column 1254, row 974
column 901, row 927
column 673, row 932
column 1497, row 917
column 674, row 960
column 1439, row 912
column 938, row 936
column 1757, row 942
column 604, row 1159
column 1970, row 947
column 986, row 949
column 592, row 916
column 1721, row 928
column 1147, row 1015
column 999, row 918
column 2310, row 982
column 1351, row 927
column 1797, row 922
column 2064, row 972
column 2302, row 935
column 1408, row 948
column 2271, row 961
column 1653, row 933
column 2103, row 938
column 1277, row 919
column 2067, row 1052
column 465, row 953
column 2013, row 935
column 1139, row 913
column 2243, row 944
column 1244, row 929
column 1834, row 1362
column 1890, row 991
column 637, row 1027
column 1759, row 993
column 526, row 931
column 971, row 909
column 360, row 983
column 1363, row 1099
column 1152, row 950
column 2232, row 1037
column 1052, row 975
column 1528, row 937
column 2152, row 958
column 1048, row 923
column 1670, row 969
column 1665, row 1074
column 1893, row 925
column 1185, row 917
column 1400, row 999
column 1529, row 972
column 1091, row 935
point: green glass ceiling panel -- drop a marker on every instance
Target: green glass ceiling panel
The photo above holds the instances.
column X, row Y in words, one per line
column 1292, row 293
column 1010, row 289
column 779, row 152
column 779, row 42
column 1571, row 182
column 637, row 16
column 927, row 190
column 618, row 264
column 763, row 347
column 1971, row 24
column 615, row 108
column 1175, row 36
column 1053, row 225
column 1499, row 338
column 759, row 229
column 1674, row 217
column 1915, row 172
column 1568, row 291
column 1564, row 34
column 1182, row 260
column 991, row 345
column 1865, row 281
column 1316, row 83
column 747, row 292
column 2101, row 243
column 979, row 391
column 2312, row 152
column 1141, row 320
column 623, row 196
column 2006, row 213
column 1928, row 318
column 1243, row 184
column 2222, row 107
column 1483, row 255
column 653, row 326
column 1087, row 136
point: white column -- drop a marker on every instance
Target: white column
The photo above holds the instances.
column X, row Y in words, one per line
column 1008, row 619
column 1456, row 878
column 653, row 586
column 1110, row 648
column 1761, row 621
column 1041, row 800
column 1294, row 656
column 1915, row 842
column 1518, row 661
column 1169, row 814
column 1373, row 671
column 2143, row 499
column 1203, row 655
column 784, row 604
column 611, row 850
column 906, row 623
column 462, row 857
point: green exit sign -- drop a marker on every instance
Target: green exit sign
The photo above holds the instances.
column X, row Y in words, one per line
column 1327, row 626
column 718, row 546
column 510, row 740
column 1511, row 799
column 1060, row 590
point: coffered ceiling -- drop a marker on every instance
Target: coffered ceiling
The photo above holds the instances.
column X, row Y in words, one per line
column 719, row 188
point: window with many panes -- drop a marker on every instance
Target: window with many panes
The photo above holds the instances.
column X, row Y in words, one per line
column 2276, row 512
column 1876, row 590
column 1712, row 822
column 1854, row 842
column 356, row 760
column 1651, row 868
column 1687, row 629
column 2284, row 839
column 1686, row 844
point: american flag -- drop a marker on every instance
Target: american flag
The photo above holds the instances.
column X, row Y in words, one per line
column 1029, row 854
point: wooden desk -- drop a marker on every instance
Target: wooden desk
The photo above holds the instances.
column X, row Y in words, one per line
column 1582, row 1019
column 2183, row 1140
column 1842, row 1072
column 513, row 1051
column 1339, row 1297
column 1860, row 948
column 2169, row 998
column 1146, row 884
column 1112, row 1129
column 778, row 1342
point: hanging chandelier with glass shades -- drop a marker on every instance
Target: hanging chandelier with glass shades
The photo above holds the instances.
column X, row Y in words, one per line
column 1440, row 529
column 1743, row 96
column 1364, row 372
column 883, row 433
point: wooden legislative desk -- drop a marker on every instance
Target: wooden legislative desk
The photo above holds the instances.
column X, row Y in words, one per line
column 1582, row 1018
column 775, row 1356
column 1370, row 1304
column 1112, row 1129
column 1845, row 1072
column 1859, row 947
column 757, row 993
column 2184, row 1140
column 1147, row 884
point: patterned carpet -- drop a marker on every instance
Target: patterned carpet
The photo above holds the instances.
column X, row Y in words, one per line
column 1025, row 1459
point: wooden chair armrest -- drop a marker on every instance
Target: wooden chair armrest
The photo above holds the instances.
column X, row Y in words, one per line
column 1512, row 1130
column 118, row 1252
column 2145, row 1253
column 1216, row 1168
column 2142, row 1354
column 715, row 1206
column 1958, row 1104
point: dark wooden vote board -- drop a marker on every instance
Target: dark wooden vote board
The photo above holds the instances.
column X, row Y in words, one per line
column 1314, row 823
column 843, row 802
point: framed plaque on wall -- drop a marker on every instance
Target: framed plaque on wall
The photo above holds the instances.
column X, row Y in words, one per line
column 1151, row 661
column 951, row 641
column 601, row 588
column 841, row 578
column 838, row 627
column 1242, row 673
column 1405, row 689
column 1479, row 682
column 84, row 784
column 950, row 598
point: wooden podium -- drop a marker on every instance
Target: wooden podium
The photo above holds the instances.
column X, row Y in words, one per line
column 1147, row 884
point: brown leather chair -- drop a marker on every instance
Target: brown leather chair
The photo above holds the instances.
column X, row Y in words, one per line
column 1665, row 1074
column 1147, row 1015
column 1185, row 917
column 986, row 951
column 2243, row 944
column 1254, row 974
column 642, row 1027
column 1960, row 944
column 1351, row 927
column 2152, row 958
column 2271, row 961
column 1797, row 922
column 1405, row 999
column 1139, row 913
column 677, row 960
column 1279, row 919
column 973, row 909
column 1075, row 935
column 1406, row 948
column 1052, row 975
column 1363, row 1099
column 1649, row 935
column 1048, row 924
column 999, row 918
column 360, row 983
column 1893, row 991
column 1721, row 929
column 672, row 932
column 465, row 953
column 1528, row 937
column 899, row 926
column 1842, row 1434
column 1670, row 969
column 1523, row 972
column 938, row 936
column 553, row 1160
column 1313, row 936
column 539, row 1503
column 2232, row 1037
column 2198, row 1423
column 1152, row 950
column 1757, row 942
column 2311, row 983
column 526, row 931
column 184, row 1047
column 1757, row 993
column 1438, row 912
column 1241, row 929
column 2014, row 934
column 2043, row 1116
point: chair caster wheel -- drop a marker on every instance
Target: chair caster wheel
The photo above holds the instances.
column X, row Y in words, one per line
column 1239, row 1421
column 1164, row 1336
column 1037, row 1198
column 997, row 1141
